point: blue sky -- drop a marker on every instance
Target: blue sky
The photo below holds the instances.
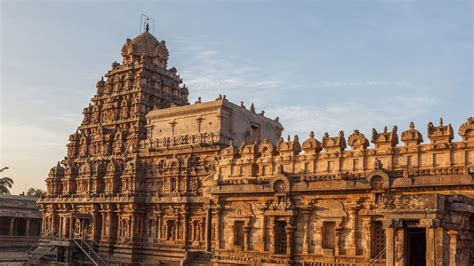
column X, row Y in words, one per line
column 318, row 65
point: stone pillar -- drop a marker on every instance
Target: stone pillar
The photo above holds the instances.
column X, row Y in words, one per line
column 306, row 214
column 430, row 246
column 54, row 223
column 272, row 234
column 71, row 227
column 159, row 229
column 337, row 246
column 102, row 228
column 246, row 237
column 66, row 227
column 439, row 242
column 60, row 226
column 353, row 214
column 390, row 244
column 289, row 239
column 453, row 246
column 27, row 227
column 12, row 226
column 207, row 227
column 43, row 226
column 108, row 231
column 201, row 230
column 432, row 253
column 366, row 236
column 318, row 237
column 260, row 244
column 185, row 225
column 217, row 222
column 400, row 247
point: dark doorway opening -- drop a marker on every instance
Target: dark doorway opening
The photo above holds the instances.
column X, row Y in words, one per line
column 239, row 233
column 280, row 237
column 416, row 246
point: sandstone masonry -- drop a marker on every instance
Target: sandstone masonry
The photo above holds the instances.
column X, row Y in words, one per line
column 151, row 179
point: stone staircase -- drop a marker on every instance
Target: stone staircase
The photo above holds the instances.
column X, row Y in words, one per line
column 40, row 249
column 88, row 248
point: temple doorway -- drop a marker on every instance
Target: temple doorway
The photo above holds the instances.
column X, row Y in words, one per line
column 416, row 247
column 280, row 237
column 81, row 228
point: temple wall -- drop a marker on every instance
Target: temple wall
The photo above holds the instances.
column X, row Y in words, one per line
column 219, row 117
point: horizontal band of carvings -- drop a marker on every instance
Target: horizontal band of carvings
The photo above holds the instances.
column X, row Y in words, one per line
column 451, row 170
column 207, row 138
column 251, row 256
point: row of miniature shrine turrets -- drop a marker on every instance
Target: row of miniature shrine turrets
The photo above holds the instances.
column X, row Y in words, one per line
column 440, row 136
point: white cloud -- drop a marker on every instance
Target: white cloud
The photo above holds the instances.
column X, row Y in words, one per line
column 333, row 117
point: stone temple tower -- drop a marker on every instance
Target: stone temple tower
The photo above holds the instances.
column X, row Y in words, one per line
column 114, row 121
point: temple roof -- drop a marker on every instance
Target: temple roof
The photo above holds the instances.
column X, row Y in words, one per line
column 145, row 44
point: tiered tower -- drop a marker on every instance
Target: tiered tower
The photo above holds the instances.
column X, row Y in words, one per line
column 115, row 121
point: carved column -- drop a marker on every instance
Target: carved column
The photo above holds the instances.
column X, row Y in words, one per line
column 104, row 223
column 432, row 252
column 217, row 222
column 272, row 234
column 289, row 239
column 453, row 247
column 61, row 226
column 94, row 222
column 353, row 214
column 367, row 244
column 185, row 225
column 337, row 246
column 67, row 227
column 54, row 222
column 193, row 232
column 71, row 227
column 390, row 243
column 12, row 226
column 318, row 238
column 218, row 230
column 159, row 221
column 246, row 237
column 261, row 244
column 27, row 227
column 306, row 214
column 108, row 230
column 430, row 246
column 400, row 246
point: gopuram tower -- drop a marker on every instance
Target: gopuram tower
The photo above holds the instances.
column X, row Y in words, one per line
column 115, row 122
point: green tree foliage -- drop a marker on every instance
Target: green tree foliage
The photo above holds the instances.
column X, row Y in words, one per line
column 6, row 183
column 35, row 192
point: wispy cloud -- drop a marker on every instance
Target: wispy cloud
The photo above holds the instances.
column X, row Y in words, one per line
column 348, row 116
column 209, row 71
